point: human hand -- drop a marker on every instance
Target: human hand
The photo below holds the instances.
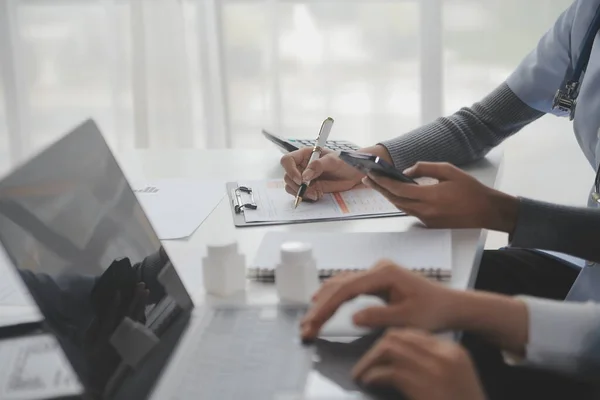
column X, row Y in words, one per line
column 457, row 201
column 420, row 366
column 328, row 174
column 412, row 300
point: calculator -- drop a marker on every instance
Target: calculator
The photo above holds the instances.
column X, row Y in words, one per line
column 288, row 145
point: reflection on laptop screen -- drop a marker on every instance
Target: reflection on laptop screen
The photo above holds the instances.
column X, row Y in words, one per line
column 73, row 228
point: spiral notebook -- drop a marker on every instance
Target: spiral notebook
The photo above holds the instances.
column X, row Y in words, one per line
column 426, row 251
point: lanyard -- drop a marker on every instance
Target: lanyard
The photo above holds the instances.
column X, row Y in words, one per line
column 566, row 97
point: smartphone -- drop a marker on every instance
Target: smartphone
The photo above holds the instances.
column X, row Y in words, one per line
column 369, row 163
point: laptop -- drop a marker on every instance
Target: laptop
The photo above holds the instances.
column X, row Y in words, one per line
column 115, row 321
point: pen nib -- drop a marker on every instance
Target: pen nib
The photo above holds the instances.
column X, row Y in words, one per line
column 296, row 202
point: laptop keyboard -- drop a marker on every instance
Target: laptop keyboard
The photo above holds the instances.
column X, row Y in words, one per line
column 246, row 353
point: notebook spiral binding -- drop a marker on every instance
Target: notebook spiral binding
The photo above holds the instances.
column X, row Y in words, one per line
column 268, row 275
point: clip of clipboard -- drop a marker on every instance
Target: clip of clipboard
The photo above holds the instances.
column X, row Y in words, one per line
column 240, row 205
column 242, row 198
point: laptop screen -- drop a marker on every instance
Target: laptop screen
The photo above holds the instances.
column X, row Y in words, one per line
column 82, row 244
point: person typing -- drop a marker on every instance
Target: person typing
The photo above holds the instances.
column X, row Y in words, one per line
column 558, row 74
column 560, row 338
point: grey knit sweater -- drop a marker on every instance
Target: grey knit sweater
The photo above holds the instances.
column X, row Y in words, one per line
column 469, row 135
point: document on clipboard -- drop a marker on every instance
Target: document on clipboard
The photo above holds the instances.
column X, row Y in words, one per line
column 267, row 202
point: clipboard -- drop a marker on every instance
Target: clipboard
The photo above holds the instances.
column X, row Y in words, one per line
column 242, row 198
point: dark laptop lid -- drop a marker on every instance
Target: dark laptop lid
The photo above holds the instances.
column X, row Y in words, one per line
column 78, row 237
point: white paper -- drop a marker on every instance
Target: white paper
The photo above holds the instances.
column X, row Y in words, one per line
column 177, row 207
column 422, row 248
column 12, row 292
column 35, row 367
column 275, row 204
column 14, row 315
column 16, row 304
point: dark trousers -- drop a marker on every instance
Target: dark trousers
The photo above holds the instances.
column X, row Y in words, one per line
column 512, row 272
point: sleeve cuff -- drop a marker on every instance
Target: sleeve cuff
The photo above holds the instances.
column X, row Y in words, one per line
column 400, row 153
column 561, row 335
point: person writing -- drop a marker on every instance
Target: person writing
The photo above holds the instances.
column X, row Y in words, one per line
column 469, row 134
column 458, row 201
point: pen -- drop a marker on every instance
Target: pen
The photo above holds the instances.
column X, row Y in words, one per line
column 316, row 153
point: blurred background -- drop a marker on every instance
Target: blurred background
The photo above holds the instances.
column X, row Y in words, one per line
column 213, row 73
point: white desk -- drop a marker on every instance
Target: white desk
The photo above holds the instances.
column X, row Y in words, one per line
column 239, row 164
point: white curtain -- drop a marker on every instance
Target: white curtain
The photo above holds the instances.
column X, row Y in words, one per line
column 213, row 73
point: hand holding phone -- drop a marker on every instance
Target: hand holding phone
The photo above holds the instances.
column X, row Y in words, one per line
column 371, row 164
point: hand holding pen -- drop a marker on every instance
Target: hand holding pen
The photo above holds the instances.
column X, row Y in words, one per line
column 316, row 153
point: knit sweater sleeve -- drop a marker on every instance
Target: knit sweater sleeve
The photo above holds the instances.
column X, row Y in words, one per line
column 565, row 229
column 467, row 135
